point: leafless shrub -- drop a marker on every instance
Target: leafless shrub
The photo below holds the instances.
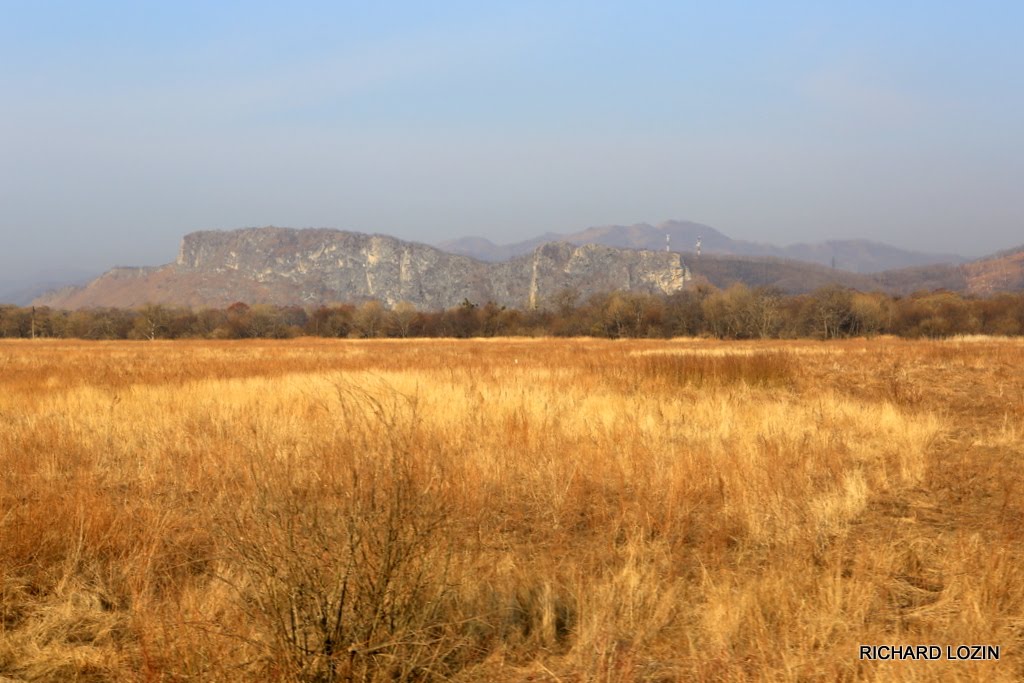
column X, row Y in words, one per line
column 346, row 569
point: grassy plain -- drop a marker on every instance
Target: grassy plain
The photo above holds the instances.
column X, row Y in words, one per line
column 504, row 510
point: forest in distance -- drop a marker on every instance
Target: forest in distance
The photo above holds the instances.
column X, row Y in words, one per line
column 739, row 312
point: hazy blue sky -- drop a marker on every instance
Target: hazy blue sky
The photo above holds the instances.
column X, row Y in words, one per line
column 124, row 125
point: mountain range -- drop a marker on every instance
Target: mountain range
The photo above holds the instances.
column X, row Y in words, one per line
column 858, row 256
column 309, row 267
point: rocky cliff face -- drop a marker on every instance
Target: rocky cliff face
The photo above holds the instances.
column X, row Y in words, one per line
column 309, row 267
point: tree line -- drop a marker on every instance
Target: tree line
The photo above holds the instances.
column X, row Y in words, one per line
column 739, row 312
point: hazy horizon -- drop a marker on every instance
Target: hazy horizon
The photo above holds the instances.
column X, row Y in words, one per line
column 124, row 127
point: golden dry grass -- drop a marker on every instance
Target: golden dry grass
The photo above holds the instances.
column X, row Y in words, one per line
column 564, row 510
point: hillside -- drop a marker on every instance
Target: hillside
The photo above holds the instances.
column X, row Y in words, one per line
column 790, row 277
column 309, row 267
column 1000, row 272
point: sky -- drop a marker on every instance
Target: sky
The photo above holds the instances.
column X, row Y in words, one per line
column 125, row 125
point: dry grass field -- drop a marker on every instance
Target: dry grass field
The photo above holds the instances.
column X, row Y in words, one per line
column 508, row 510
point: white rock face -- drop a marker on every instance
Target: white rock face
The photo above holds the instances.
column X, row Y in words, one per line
column 307, row 267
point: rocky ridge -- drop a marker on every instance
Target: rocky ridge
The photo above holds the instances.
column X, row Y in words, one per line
column 284, row 266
